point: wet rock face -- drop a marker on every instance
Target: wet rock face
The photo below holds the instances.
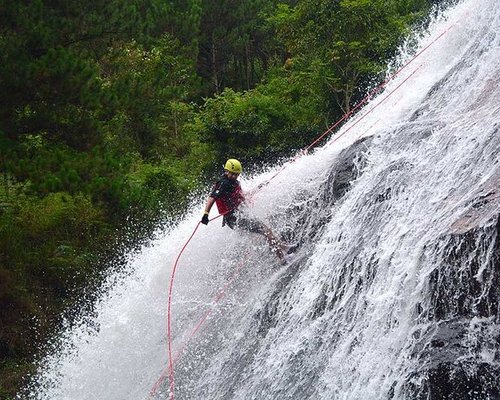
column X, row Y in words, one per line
column 309, row 225
column 458, row 346
column 347, row 168
column 467, row 285
column 447, row 382
column 312, row 215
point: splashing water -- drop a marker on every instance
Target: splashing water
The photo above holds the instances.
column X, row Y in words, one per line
column 394, row 292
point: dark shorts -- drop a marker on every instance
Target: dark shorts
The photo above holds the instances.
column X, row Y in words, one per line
column 237, row 220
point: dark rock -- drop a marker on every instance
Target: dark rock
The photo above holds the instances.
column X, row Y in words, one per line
column 458, row 350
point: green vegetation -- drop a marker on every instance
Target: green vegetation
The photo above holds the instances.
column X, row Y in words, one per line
column 112, row 113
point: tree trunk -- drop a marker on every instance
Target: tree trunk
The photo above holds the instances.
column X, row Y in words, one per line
column 347, row 98
column 215, row 77
column 247, row 67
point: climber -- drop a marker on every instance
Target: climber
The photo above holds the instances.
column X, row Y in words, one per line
column 228, row 197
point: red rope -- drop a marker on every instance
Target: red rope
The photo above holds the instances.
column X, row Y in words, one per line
column 303, row 151
column 354, row 109
column 378, row 104
column 375, row 90
column 218, row 297
column 169, row 318
column 169, row 314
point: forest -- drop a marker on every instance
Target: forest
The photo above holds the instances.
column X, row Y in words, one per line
column 115, row 114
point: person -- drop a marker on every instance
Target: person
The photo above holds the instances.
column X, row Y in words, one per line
column 228, row 197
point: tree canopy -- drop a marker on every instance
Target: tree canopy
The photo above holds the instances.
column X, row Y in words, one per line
column 114, row 112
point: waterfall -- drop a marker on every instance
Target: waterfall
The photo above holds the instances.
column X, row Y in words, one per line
column 394, row 292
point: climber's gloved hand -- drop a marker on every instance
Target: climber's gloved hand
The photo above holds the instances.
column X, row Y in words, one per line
column 204, row 219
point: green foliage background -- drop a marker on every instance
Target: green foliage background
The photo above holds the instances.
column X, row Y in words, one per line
column 113, row 112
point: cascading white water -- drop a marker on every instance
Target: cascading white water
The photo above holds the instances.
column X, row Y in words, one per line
column 394, row 292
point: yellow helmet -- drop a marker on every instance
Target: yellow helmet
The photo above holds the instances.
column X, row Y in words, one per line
column 233, row 165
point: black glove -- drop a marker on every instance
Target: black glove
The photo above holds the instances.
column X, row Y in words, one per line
column 204, row 219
